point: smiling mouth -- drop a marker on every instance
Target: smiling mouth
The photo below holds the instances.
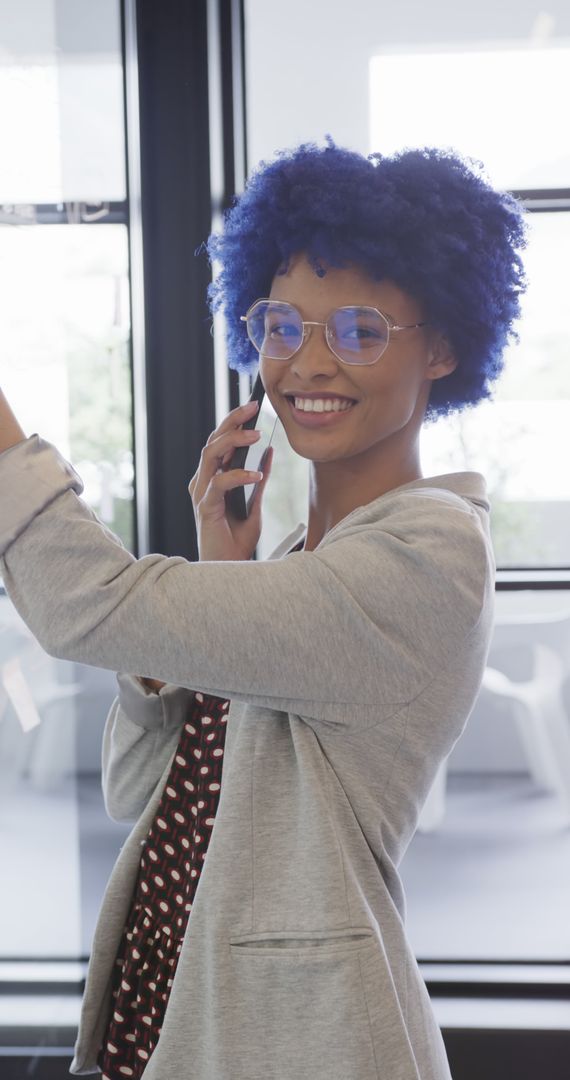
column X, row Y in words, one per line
column 320, row 405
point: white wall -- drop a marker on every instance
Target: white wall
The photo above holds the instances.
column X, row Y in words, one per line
column 307, row 60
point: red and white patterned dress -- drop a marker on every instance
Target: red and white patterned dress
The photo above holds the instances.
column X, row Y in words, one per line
column 168, row 876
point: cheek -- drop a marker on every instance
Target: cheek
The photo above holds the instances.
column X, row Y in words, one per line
column 399, row 382
column 270, row 377
column 266, row 373
column 391, row 400
column 389, row 387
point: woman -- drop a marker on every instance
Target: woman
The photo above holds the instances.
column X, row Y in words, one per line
column 378, row 292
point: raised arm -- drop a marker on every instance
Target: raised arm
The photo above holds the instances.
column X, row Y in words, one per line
column 363, row 619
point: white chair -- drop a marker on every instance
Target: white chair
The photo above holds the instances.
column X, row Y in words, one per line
column 537, row 706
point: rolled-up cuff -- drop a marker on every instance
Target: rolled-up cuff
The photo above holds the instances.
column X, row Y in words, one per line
column 150, row 710
column 32, row 474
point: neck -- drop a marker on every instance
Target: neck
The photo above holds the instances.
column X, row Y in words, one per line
column 336, row 488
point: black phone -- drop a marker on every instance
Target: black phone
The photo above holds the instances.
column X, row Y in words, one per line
column 247, row 457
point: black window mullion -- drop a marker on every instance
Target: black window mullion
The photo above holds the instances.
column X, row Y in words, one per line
column 176, row 218
column 231, row 76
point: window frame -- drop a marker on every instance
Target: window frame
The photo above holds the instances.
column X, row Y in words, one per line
column 537, row 201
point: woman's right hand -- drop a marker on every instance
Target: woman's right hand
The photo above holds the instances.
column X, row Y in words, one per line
column 220, row 535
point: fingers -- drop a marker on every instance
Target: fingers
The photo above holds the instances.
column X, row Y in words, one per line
column 213, row 502
column 224, row 445
column 265, row 470
column 226, row 481
column 234, row 419
column 220, row 446
column 252, row 525
column 217, row 454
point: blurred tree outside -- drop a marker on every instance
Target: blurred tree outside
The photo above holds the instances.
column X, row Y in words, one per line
column 100, row 428
column 96, row 332
column 66, row 362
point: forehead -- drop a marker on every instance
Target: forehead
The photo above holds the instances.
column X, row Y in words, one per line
column 315, row 296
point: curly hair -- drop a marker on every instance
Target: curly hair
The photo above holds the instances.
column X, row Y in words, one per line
column 421, row 218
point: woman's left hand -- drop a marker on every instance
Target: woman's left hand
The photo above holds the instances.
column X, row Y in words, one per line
column 220, row 535
column 10, row 430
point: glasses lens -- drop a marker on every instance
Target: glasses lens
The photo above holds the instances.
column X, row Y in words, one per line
column 358, row 335
column 275, row 328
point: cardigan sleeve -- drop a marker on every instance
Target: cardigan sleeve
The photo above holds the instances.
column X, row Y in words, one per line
column 141, row 734
column 362, row 620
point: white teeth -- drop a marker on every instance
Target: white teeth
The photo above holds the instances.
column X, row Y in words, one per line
column 322, row 404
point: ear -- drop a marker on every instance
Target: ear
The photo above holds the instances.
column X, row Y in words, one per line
column 441, row 359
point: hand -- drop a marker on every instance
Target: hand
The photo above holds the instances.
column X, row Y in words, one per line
column 152, row 684
column 10, row 430
column 220, row 535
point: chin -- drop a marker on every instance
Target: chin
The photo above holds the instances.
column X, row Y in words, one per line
column 316, row 453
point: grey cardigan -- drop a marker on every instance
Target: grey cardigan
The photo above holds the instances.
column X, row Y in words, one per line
column 351, row 671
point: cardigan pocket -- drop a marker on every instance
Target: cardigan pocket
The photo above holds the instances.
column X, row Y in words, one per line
column 294, row 940
column 300, row 1008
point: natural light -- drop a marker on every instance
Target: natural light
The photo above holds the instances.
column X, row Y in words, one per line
column 506, row 107
column 518, row 439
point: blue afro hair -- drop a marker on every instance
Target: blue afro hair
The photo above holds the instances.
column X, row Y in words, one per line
column 422, row 218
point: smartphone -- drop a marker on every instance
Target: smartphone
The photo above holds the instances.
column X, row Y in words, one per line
column 239, row 500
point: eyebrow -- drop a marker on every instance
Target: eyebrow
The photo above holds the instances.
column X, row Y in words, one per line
column 382, row 312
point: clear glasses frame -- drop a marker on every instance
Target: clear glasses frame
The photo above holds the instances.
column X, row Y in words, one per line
column 391, row 328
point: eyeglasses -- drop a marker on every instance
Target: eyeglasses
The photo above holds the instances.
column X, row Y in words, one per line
column 355, row 334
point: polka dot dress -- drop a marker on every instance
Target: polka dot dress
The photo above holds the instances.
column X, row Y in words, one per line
column 169, row 872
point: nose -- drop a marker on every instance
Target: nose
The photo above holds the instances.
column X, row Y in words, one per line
column 314, row 358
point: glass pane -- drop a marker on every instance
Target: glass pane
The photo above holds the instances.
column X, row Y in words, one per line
column 392, row 76
column 66, row 370
column 394, row 91
column 532, row 156
column 65, row 347
column 57, row 846
column 65, row 332
column 491, row 80
column 519, row 440
column 498, row 851
column 61, row 73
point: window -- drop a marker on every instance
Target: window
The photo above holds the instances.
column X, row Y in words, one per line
column 63, row 245
column 65, row 341
column 516, row 440
column 492, row 82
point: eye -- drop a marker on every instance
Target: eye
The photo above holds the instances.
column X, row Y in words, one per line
column 358, row 328
column 280, row 329
column 358, row 332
